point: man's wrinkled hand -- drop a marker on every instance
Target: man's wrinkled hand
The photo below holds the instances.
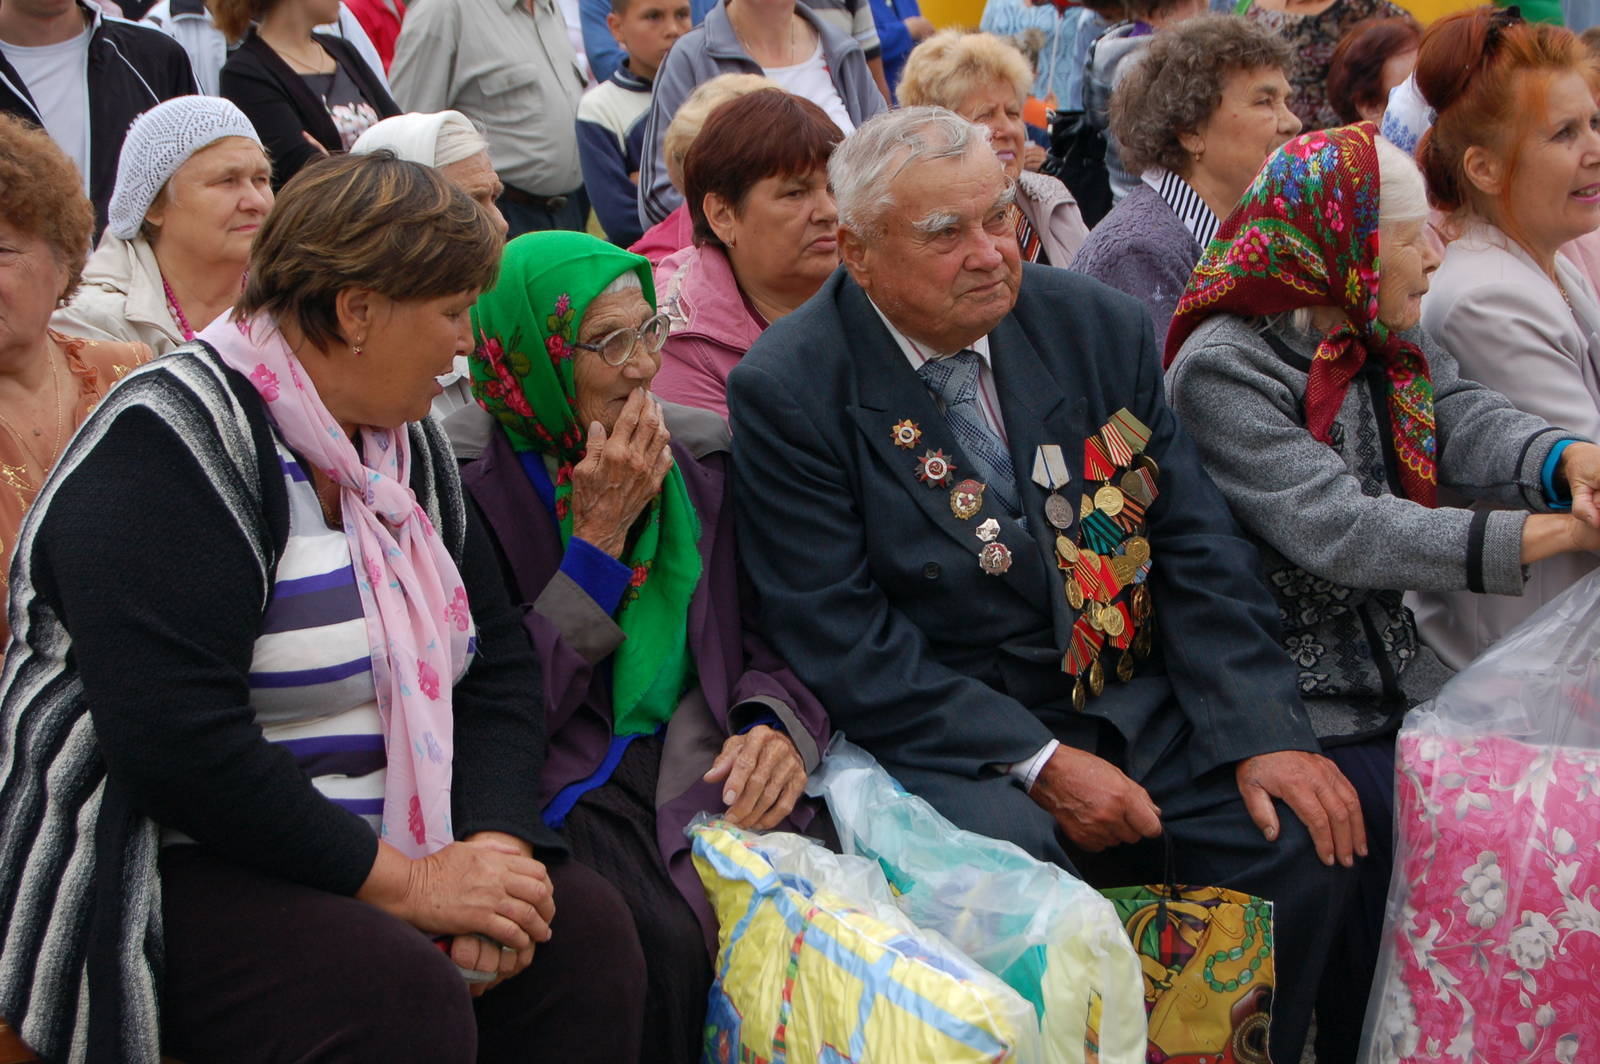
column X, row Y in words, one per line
column 1094, row 802
column 1318, row 793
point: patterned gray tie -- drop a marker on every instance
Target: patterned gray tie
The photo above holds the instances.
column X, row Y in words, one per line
column 955, row 380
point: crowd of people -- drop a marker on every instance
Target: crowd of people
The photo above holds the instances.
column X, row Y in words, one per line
column 395, row 568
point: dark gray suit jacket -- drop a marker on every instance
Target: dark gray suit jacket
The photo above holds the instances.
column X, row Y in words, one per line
column 870, row 586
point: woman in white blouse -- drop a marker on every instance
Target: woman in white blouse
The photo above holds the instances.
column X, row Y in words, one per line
column 1517, row 316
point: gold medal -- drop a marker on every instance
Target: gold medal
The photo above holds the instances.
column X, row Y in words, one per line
column 1140, row 602
column 1097, row 678
column 1138, row 549
column 1080, row 697
column 1095, row 620
column 1085, row 507
column 1074, row 593
column 1123, row 567
column 1112, row 623
column 1067, row 549
column 1108, row 500
column 1141, row 643
column 1125, row 666
column 1144, row 461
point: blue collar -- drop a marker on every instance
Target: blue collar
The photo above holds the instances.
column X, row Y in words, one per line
column 627, row 79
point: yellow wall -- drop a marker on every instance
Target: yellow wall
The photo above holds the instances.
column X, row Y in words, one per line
column 952, row 14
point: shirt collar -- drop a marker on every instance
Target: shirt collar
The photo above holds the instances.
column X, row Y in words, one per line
column 625, row 77
column 917, row 353
column 1185, row 202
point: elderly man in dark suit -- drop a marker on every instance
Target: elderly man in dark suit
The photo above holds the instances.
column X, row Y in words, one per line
column 982, row 539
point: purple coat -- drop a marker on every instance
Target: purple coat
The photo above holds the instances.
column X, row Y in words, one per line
column 740, row 678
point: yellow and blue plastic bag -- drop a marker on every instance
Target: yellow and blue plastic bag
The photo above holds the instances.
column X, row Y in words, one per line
column 807, row 974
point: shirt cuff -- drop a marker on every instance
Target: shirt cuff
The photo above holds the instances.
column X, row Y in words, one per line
column 1554, row 498
column 1026, row 772
column 769, row 719
column 600, row 575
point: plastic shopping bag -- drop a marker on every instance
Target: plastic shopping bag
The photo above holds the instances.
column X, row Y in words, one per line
column 816, row 964
column 1047, row 934
column 1209, row 970
column 1492, row 935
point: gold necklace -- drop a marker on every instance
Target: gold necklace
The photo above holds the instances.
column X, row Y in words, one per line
column 55, row 441
column 314, row 68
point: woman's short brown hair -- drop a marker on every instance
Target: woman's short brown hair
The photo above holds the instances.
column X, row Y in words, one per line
column 1177, row 84
column 233, row 17
column 1355, row 73
column 366, row 221
column 767, row 133
column 41, row 194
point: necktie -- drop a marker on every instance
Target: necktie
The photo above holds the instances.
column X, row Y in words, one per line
column 955, row 380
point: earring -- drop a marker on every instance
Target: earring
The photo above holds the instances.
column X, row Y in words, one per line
column 356, row 350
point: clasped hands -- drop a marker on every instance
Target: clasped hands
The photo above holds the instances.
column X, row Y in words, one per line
column 486, row 891
column 1097, row 806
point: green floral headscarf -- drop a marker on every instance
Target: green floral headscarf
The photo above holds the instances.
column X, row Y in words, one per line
column 524, row 329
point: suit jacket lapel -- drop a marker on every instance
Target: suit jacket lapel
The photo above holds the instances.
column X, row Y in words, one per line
column 890, row 391
column 1036, row 412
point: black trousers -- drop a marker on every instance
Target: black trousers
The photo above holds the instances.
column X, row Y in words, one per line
column 1353, row 959
column 526, row 218
column 1215, row 843
column 262, row 970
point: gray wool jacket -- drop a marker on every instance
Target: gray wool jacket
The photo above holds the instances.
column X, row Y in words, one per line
column 1339, row 545
column 713, row 48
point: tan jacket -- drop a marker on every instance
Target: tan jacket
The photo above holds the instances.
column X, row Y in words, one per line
column 121, row 298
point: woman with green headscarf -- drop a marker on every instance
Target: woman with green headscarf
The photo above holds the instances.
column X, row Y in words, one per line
column 614, row 526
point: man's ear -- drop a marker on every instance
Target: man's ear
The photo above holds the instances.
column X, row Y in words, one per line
column 856, row 255
column 614, row 24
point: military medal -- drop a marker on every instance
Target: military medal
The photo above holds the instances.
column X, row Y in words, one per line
column 1097, row 678
column 1058, row 511
column 988, row 529
column 906, row 434
column 1141, row 603
column 1125, row 666
column 1116, row 446
column 966, row 499
column 1139, row 485
column 1138, row 549
column 1123, row 568
column 934, row 469
column 994, row 558
column 1080, row 697
column 1097, row 465
column 1066, row 550
column 1113, row 622
column 1148, row 464
column 1050, row 472
column 1075, row 597
column 1108, row 500
column 1133, row 431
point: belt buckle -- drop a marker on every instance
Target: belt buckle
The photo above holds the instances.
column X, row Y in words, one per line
column 555, row 203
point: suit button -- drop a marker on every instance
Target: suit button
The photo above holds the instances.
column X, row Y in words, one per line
column 930, row 571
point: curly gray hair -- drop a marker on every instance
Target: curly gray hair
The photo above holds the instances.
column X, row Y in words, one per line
column 1177, row 84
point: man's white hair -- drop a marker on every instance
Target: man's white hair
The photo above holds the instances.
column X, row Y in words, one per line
column 864, row 165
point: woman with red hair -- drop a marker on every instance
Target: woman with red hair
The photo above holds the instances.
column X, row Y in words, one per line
column 1514, row 157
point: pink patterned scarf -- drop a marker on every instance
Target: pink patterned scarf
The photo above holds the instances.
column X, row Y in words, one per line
column 418, row 622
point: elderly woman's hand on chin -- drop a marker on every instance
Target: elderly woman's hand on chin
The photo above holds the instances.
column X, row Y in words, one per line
column 620, row 473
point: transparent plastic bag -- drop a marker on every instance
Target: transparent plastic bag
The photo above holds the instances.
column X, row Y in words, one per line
column 1491, row 933
column 1047, row 934
column 817, row 963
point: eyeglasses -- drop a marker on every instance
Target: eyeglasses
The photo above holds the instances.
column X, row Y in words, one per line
column 617, row 347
